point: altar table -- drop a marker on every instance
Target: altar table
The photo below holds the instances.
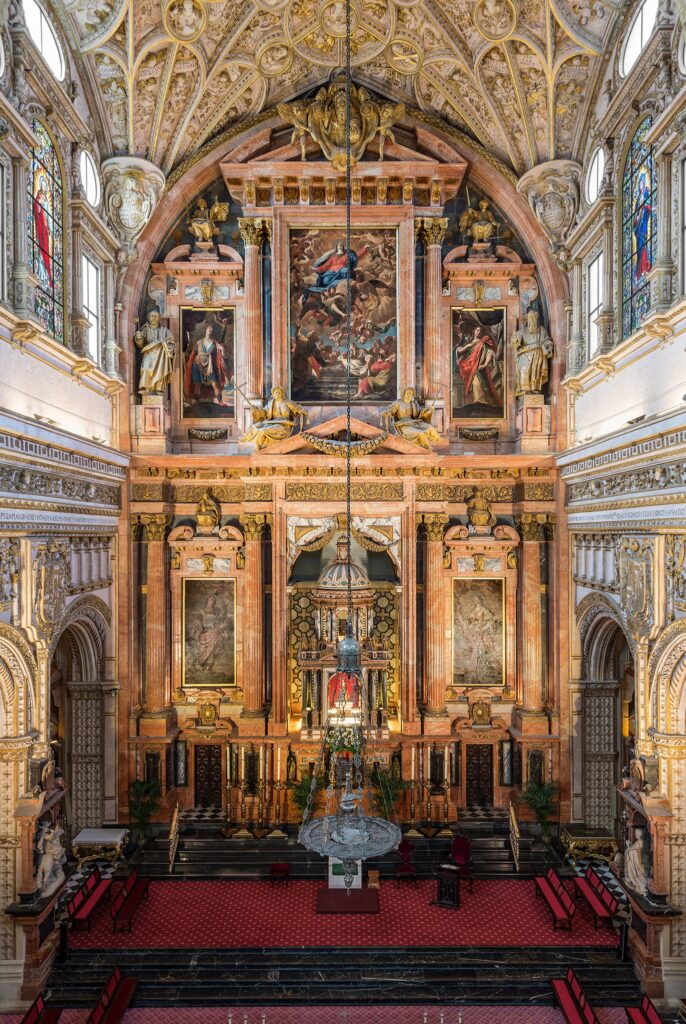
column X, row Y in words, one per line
column 99, row 844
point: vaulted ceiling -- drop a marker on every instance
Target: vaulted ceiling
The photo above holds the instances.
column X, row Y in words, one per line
column 514, row 74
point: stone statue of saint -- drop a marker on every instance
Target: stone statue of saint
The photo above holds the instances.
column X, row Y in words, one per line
column 533, row 348
column 274, row 420
column 411, row 419
column 635, row 868
column 51, row 859
column 157, row 350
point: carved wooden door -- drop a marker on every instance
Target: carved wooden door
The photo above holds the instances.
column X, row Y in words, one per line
column 208, row 775
column 479, row 773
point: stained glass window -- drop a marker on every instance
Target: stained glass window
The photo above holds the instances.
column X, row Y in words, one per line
column 46, row 243
column 639, row 212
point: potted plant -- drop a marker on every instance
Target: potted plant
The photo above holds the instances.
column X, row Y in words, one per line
column 541, row 797
column 144, row 802
column 300, row 791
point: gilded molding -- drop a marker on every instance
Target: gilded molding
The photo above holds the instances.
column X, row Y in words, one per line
column 337, row 492
column 461, row 492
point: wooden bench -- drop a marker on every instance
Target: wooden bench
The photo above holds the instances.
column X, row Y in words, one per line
column 643, row 1014
column 559, row 902
column 39, row 1013
column 114, row 999
column 602, row 903
column 82, row 904
column 569, row 996
column 128, row 899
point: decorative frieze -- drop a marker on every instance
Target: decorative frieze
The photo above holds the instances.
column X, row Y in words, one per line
column 644, row 479
column 22, row 480
column 230, row 493
column 649, row 447
column 31, row 448
column 460, row 493
column 337, row 492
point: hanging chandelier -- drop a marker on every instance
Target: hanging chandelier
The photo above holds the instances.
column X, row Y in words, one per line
column 349, row 835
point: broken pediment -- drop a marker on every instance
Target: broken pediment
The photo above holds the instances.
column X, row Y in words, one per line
column 329, row 438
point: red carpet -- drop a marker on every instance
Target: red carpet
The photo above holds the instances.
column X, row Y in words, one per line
column 340, row 1015
column 252, row 914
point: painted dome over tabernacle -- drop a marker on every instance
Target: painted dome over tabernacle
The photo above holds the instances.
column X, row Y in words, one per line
column 334, row 576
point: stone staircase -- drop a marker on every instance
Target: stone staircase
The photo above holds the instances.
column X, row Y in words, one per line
column 204, row 852
column 334, row 976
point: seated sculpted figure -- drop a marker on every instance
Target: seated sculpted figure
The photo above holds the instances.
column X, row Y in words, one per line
column 635, row 866
column 411, row 419
column 274, row 420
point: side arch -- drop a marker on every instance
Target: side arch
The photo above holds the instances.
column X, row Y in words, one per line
column 18, row 674
column 667, row 680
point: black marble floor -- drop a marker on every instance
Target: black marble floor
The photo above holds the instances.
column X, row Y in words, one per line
column 296, row 976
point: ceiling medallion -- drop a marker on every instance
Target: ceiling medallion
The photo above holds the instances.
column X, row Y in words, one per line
column 405, row 56
column 185, row 20
column 496, row 19
column 332, row 17
column 274, row 57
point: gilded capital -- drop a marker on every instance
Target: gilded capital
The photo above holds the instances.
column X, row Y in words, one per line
column 435, row 229
column 155, row 525
column 435, row 523
column 535, row 526
column 253, row 525
column 252, row 230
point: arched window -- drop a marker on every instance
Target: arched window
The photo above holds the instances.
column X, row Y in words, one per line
column 44, row 38
column 639, row 201
column 595, row 175
column 46, row 237
column 90, row 179
column 638, row 35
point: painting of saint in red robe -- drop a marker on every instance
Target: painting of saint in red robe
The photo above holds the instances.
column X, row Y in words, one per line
column 642, row 226
column 478, row 363
column 207, row 344
column 344, row 690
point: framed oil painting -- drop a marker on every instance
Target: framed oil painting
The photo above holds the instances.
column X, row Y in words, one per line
column 208, row 359
column 478, row 363
column 478, row 632
column 317, row 308
column 209, row 632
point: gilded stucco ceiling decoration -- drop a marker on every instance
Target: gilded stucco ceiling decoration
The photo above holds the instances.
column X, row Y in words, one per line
column 514, row 74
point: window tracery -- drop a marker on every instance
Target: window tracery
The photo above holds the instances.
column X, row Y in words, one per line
column 46, row 233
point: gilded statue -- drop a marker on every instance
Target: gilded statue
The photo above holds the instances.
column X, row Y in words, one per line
column 207, row 512
column 323, row 119
column 533, row 348
column 275, row 419
column 481, row 519
column 480, row 224
column 411, row 419
column 203, row 222
column 157, row 347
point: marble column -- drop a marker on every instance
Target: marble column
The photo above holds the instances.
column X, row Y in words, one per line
column 531, row 678
column 78, row 322
column 20, row 262
column 434, row 230
column 110, row 347
column 253, row 623
column 575, row 348
column 663, row 267
column 435, row 624
column 252, row 232
column 279, row 716
column 157, row 694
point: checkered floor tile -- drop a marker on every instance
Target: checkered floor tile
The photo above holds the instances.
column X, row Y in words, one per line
column 200, row 814
column 483, row 812
column 606, row 875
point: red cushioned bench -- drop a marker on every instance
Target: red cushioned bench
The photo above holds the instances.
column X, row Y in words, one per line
column 569, row 996
column 114, row 999
column 81, row 906
column 598, row 897
column 128, row 899
column 560, row 904
column 280, row 872
column 39, row 1013
column 643, row 1014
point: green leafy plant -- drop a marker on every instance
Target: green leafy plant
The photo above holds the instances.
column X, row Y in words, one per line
column 386, row 789
column 541, row 798
column 300, row 790
column 144, row 802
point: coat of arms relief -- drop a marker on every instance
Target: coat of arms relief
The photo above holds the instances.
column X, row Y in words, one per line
column 51, row 581
column 639, row 585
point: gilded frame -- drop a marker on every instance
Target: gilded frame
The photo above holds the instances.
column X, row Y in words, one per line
column 461, row 581
column 481, row 418
column 190, row 419
column 297, row 226
column 208, row 583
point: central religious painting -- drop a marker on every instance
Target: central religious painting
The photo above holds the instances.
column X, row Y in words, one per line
column 319, row 271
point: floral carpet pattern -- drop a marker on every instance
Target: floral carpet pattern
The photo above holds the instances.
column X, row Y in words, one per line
column 227, row 914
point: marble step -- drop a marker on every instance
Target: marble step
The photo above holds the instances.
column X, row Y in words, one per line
column 216, row 977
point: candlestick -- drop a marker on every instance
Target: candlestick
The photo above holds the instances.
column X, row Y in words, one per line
column 412, row 772
column 446, row 763
column 261, row 764
column 278, row 764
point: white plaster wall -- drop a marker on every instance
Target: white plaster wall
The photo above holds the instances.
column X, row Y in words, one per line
column 31, row 387
column 650, row 386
